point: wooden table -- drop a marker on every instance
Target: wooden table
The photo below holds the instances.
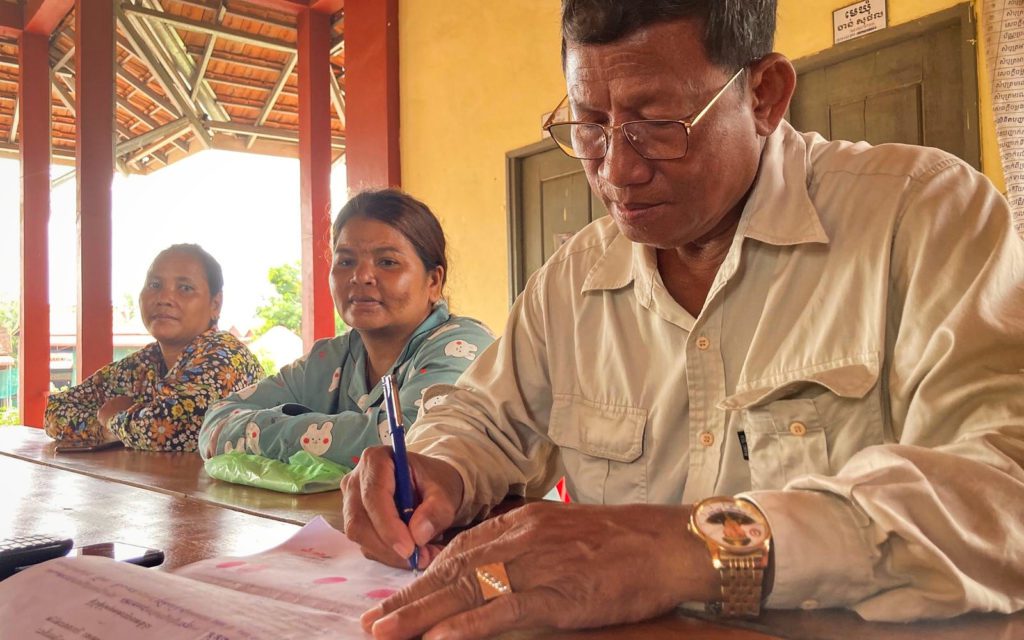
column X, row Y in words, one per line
column 178, row 474
column 165, row 500
column 41, row 499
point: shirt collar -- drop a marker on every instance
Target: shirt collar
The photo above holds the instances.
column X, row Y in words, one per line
column 779, row 210
column 615, row 267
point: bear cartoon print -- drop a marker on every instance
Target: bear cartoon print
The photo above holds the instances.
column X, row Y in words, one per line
column 460, row 349
column 236, row 447
column 252, row 438
column 317, row 439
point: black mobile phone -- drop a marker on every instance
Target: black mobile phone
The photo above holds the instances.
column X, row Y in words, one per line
column 85, row 447
column 134, row 554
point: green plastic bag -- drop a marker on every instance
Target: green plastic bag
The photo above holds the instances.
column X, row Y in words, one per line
column 303, row 473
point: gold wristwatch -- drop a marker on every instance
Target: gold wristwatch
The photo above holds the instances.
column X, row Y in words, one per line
column 738, row 538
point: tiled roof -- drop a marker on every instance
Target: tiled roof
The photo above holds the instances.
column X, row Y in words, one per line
column 191, row 74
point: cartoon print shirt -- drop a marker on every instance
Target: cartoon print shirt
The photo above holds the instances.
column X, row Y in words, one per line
column 169, row 404
column 321, row 403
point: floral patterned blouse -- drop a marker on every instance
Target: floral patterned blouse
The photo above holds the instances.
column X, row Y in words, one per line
column 169, row 404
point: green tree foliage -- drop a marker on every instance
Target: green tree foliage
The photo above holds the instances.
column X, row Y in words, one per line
column 9, row 320
column 284, row 308
column 128, row 309
column 270, row 367
column 9, row 415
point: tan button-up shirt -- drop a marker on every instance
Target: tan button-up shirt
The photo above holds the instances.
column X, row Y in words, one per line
column 857, row 370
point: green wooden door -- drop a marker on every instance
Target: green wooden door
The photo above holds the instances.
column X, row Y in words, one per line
column 554, row 202
column 913, row 84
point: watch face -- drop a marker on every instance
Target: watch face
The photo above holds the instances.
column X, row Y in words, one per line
column 733, row 524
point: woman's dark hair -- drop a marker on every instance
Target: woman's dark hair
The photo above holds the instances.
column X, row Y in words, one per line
column 736, row 32
column 214, row 275
column 407, row 215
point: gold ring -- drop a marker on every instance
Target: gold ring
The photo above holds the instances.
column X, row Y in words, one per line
column 493, row 580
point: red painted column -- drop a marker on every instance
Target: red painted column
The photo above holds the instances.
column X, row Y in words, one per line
column 34, row 135
column 94, row 103
column 371, row 94
column 314, row 48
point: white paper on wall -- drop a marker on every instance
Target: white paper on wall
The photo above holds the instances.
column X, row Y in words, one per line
column 1004, row 47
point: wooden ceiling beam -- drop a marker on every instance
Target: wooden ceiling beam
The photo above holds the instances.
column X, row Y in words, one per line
column 232, row 58
column 275, row 93
column 10, row 20
column 273, row 133
column 43, row 16
column 204, row 60
column 211, row 5
column 141, row 46
column 13, row 135
column 152, row 96
column 338, row 99
column 217, row 78
column 204, row 27
column 294, row 7
column 167, row 44
column 291, row 7
column 142, row 117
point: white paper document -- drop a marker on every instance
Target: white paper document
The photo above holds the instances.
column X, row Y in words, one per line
column 315, row 585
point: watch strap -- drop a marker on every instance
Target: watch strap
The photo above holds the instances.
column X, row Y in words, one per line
column 742, row 581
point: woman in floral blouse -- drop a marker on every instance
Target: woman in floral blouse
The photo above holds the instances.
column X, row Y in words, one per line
column 387, row 281
column 156, row 397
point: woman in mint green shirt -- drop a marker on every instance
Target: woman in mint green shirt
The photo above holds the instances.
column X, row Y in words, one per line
column 387, row 280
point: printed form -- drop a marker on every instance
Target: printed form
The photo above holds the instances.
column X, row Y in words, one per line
column 314, row 585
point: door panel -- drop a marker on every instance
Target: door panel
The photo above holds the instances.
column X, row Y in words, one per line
column 905, row 84
column 556, row 202
column 846, row 121
column 894, row 116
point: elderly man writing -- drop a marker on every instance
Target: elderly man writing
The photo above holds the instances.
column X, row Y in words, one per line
column 784, row 370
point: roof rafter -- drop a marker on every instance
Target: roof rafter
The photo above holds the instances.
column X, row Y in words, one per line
column 275, row 93
column 204, row 61
column 273, row 133
column 141, row 45
column 171, row 48
column 203, row 27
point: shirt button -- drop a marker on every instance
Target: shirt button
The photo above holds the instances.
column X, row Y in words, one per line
column 707, row 438
column 797, row 428
column 703, row 343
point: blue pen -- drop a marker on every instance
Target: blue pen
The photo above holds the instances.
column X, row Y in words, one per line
column 404, row 499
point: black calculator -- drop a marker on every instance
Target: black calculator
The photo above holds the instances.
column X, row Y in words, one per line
column 22, row 551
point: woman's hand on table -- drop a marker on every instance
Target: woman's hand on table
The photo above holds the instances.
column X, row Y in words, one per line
column 569, row 566
column 111, row 408
column 371, row 519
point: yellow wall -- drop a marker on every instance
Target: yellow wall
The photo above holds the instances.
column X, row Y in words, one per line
column 476, row 76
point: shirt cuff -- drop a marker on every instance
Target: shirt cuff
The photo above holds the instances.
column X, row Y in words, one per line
column 824, row 556
column 475, row 499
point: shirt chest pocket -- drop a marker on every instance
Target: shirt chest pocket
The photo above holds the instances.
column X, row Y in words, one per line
column 811, row 424
column 601, row 447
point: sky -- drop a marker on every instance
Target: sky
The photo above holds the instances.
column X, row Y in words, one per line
column 242, row 208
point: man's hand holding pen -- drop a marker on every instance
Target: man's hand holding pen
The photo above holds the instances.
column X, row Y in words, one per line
column 371, row 517
column 544, row 547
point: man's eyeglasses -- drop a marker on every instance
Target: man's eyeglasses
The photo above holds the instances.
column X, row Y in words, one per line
column 652, row 139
